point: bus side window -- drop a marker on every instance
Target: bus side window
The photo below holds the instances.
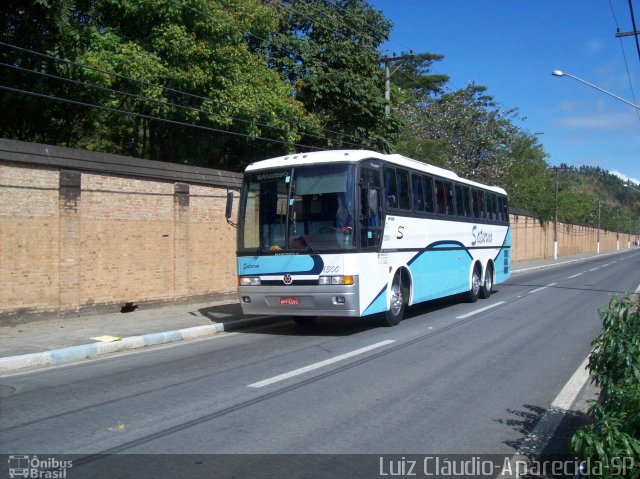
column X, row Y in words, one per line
column 390, row 188
column 404, row 201
column 502, row 209
column 478, row 204
column 459, row 200
column 418, row 193
column 449, row 198
column 428, row 194
column 490, row 198
column 441, row 205
column 467, row 201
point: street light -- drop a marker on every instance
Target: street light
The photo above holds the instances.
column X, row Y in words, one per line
column 560, row 73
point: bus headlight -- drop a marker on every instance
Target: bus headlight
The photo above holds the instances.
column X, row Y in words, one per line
column 248, row 281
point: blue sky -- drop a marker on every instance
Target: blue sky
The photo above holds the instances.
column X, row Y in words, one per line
column 512, row 46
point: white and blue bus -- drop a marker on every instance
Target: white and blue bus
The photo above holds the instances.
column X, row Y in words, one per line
column 355, row 233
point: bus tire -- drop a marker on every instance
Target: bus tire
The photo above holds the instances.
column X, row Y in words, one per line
column 487, row 286
column 474, row 293
column 398, row 303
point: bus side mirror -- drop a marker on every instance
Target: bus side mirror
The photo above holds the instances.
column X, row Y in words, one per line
column 229, row 208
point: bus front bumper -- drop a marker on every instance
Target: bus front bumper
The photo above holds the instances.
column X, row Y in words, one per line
column 336, row 300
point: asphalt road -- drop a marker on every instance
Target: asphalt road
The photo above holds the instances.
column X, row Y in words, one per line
column 452, row 378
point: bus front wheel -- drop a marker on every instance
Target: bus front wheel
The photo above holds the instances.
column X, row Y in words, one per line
column 398, row 303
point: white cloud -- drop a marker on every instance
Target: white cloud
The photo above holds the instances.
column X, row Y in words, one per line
column 623, row 177
column 598, row 121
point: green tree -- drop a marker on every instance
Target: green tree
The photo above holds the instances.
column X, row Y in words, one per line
column 528, row 179
column 477, row 134
column 327, row 51
column 467, row 132
column 414, row 75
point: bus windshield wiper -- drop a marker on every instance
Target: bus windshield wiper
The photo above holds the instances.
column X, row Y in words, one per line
column 309, row 243
column 303, row 236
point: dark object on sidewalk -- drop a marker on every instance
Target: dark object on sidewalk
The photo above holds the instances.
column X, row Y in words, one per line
column 128, row 308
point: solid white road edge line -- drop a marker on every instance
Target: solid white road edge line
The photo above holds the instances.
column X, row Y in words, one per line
column 481, row 310
column 535, row 442
column 570, row 391
column 537, row 439
column 326, row 362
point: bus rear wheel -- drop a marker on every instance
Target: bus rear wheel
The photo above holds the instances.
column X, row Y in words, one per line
column 487, row 286
column 474, row 293
column 398, row 303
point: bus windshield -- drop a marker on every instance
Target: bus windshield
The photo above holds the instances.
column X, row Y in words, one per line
column 303, row 209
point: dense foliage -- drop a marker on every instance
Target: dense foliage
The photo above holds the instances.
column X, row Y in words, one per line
column 220, row 83
column 614, row 365
column 196, row 48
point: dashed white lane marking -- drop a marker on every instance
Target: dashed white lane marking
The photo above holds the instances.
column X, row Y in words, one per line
column 575, row 275
column 542, row 288
column 481, row 310
column 326, row 362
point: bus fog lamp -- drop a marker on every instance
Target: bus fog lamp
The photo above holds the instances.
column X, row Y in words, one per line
column 246, row 299
column 339, row 300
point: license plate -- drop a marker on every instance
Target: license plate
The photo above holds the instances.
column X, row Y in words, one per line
column 289, row 300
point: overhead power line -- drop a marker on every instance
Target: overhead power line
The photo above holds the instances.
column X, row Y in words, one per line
column 159, row 102
column 624, row 56
column 168, row 89
column 635, row 29
column 155, row 118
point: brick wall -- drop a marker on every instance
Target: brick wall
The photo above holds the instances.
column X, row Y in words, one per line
column 530, row 240
column 82, row 231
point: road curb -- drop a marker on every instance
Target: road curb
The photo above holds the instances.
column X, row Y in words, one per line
column 560, row 263
column 86, row 351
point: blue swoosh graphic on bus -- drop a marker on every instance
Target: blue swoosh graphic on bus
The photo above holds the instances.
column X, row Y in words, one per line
column 442, row 245
column 378, row 305
column 442, row 255
column 446, row 244
column 506, row 243
column 281, row 264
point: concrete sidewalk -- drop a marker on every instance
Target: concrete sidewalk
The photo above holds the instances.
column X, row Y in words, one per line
column 49, row 342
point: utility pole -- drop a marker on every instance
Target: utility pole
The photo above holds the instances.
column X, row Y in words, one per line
column 598, row 245
column 555, row 223
column 387, row 77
